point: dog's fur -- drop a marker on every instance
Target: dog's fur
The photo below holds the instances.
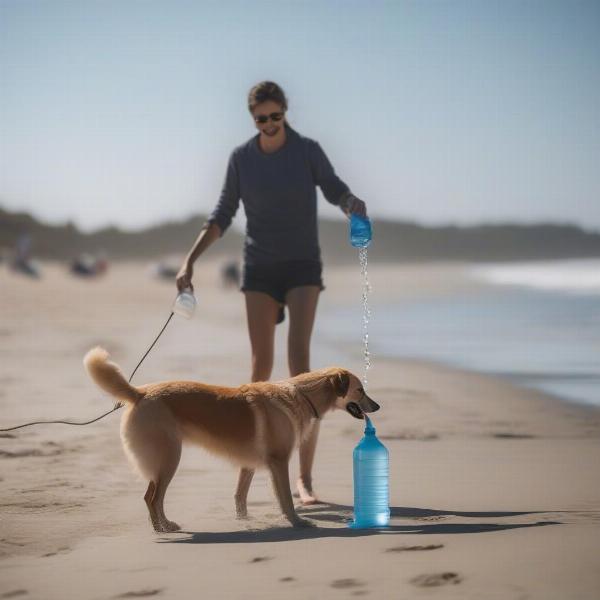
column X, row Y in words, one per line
column 254, row 425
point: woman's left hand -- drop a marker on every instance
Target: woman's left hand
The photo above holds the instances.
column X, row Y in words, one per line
column 355, row 206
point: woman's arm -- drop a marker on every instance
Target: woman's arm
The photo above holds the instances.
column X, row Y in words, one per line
column 334, row 189
column 208, row 234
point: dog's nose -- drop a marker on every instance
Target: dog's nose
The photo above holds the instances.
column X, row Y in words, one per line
column 369, row 405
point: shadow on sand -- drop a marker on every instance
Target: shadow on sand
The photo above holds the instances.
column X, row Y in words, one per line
column 338, row 513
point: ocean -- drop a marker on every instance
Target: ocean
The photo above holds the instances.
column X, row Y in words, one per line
column 535, row 323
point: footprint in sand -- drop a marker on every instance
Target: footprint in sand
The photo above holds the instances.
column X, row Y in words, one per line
column 286, row 579
column 412, row 548
column 29, row 452
column 61, row 484
column 344, row 584
column 436, row 579
column 140, row 594
column 59, row 551
column 7, row 541
column 14, row 593
column 513, row 436
column 42, row 505
column 258, row 559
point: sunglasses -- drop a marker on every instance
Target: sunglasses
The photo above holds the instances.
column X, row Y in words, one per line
column 262, row 119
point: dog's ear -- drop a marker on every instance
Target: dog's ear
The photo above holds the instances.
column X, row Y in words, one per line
column 340, row 382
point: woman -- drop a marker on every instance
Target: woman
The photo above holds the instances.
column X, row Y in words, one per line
column 275, row 174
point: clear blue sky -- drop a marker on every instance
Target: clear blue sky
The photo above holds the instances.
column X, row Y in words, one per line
column 125, row 112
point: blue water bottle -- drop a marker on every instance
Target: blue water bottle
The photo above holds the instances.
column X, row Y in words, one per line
column 371, row 481
column 360, row 231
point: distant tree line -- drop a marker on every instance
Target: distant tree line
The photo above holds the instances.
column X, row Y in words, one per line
column 393, row 241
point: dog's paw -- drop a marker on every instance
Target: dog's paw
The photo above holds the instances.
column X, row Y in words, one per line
column 171, row 526
column 302, row 523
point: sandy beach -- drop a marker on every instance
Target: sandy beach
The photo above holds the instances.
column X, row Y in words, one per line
column 494, row 489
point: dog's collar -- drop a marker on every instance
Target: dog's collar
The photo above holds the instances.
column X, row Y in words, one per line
column 311, row 404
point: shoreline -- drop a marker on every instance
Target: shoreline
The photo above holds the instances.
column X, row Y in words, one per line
column 406, row 326
column 511, row 380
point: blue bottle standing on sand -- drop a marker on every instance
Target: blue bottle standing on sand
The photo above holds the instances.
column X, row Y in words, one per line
column 360, row 231
column 371, row 481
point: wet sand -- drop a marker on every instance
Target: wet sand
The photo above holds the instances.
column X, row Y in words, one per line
column 494, row 489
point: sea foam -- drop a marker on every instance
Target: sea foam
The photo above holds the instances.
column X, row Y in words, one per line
column 577, row 276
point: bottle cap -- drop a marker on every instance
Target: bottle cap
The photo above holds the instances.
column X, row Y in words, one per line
column 369, row 429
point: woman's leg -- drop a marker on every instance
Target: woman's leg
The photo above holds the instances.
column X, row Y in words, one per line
column 302, row 305
column 261, row 314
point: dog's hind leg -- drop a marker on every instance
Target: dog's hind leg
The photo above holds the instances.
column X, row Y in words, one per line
column 241, row 493
column 148, row 496
column 169, row 464
column 281, row 483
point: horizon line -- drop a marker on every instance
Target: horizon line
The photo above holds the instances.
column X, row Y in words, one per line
column 388, row 220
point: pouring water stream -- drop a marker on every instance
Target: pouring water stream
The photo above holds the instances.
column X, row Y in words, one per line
column 366, row 289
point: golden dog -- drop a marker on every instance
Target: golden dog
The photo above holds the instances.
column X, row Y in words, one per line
column 254, row 425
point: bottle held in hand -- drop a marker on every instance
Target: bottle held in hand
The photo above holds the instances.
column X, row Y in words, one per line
column 185, row 303
column 360, row 231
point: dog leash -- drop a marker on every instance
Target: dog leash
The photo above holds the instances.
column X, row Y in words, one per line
column 117, row 405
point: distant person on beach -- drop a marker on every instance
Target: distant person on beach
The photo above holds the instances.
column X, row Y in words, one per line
column 275, row 174
column 22, row 261
column 230, row 274
column 88, row 265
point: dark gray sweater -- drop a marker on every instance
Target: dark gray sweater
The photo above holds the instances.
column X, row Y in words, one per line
column 279, row 196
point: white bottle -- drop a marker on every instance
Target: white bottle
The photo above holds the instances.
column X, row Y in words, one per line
column 185, row 303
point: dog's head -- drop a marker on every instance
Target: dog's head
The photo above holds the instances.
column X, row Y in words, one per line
column 350, row 395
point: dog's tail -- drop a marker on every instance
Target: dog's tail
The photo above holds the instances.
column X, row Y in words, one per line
column 109, row 377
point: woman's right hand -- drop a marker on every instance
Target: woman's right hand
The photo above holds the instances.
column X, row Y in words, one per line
column 183, row 279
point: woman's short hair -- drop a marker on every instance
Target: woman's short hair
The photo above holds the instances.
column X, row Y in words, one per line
column 264, row 91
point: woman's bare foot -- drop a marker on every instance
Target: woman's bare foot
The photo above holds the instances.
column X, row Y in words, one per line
column 306, row 494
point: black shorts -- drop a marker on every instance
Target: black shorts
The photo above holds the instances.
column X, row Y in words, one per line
column 278, row 278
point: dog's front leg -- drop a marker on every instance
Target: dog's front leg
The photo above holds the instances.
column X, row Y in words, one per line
column 307, row 456
column 281, row 484
column 241, row 493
